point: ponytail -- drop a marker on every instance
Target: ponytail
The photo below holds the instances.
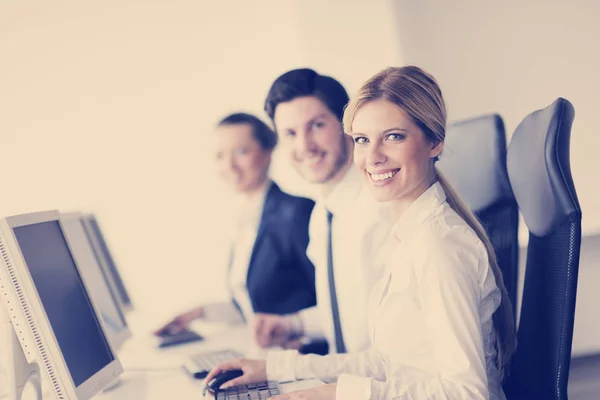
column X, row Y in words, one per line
column 503, row 318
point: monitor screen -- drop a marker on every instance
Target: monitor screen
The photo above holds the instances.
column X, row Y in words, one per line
column 110, row 262
column 64, row 299
column 94, row 276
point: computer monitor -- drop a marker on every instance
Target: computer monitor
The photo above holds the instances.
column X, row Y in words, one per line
column 107, row 261
column 96, row 279
column 55, row 330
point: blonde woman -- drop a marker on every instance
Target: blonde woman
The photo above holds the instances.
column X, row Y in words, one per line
column 440, row 320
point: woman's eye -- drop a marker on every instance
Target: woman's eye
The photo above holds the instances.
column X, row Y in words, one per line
column 319, row 124
column 395, row 136
column 360, row 140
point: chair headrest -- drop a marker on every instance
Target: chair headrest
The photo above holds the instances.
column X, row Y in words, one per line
column 474, row 160
column 539, row 167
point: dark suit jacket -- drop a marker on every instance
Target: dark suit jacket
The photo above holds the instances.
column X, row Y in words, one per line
column 281, row 278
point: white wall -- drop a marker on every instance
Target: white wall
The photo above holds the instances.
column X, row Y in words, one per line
column 351, row 39
column 513, row 57
column 109, row 107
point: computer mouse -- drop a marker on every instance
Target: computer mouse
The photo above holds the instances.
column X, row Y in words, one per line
column 221, row 378
column 170, row 331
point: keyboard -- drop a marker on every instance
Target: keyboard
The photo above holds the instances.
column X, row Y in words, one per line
column 199, row 365
column 254, row 391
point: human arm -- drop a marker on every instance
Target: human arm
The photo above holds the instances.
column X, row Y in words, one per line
column 180, row 322
column 448, row 291
column 289, row 365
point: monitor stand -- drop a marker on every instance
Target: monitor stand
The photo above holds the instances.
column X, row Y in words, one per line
column 20, row 372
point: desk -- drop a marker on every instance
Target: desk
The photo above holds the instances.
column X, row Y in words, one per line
column 156, row 374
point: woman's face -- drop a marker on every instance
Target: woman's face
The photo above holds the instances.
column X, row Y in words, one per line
column 392, row 152
column 241, row 161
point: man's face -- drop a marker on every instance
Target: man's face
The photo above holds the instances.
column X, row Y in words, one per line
column 313, row 138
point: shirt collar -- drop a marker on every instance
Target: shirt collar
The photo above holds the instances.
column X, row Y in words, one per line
column 346, row 190
column 419, row 211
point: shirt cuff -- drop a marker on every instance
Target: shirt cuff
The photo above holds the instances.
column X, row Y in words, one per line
column 311, row 323
column 352, row 387
column 281, row 365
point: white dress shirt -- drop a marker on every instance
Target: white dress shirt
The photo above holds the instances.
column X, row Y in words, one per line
column 430, row 317
column 359, row 226
column 244, row 229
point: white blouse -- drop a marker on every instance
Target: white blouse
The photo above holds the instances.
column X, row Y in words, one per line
column 245, row 221
column 430, row 317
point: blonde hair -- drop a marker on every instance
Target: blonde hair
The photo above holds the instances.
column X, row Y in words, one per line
column 418, row 94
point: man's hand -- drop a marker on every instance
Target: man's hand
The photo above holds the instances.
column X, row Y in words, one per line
column 323, row 392
column 273, row 330
column 254, row 371
column 180, row 322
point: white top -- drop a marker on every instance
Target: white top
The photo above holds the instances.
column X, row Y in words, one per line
column 430, row 317
column 246, row 219
column 359, row 227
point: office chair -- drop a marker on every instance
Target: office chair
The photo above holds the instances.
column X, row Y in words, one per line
column 474, row 163
column 540, row 175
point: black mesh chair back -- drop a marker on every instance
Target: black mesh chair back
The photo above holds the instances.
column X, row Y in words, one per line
column 540, row 176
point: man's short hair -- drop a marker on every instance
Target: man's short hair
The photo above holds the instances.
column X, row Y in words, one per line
column 306, row 82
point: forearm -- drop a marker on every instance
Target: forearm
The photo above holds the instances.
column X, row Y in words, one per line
column 290, row 365
column 350, row 387
column 224, row 311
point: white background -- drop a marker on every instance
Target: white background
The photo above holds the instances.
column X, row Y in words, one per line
column 109, row 106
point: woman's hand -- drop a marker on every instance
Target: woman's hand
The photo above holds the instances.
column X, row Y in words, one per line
column 180, row 322
column 254, row 371
column 323, row 392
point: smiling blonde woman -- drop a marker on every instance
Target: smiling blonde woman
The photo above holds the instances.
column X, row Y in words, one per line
column 440, row 319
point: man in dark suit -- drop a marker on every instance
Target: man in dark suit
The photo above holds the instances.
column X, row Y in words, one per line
column 268, row 271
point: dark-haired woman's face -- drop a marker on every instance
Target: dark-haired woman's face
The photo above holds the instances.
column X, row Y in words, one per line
column 392, row 152
column 241, row 162
column 313, row 137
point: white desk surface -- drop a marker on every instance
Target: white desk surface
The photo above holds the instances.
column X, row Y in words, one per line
column 156, row 374
column 140, row 352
